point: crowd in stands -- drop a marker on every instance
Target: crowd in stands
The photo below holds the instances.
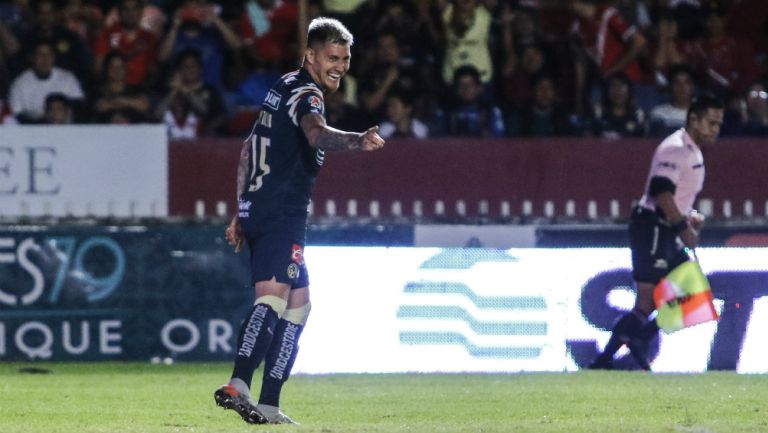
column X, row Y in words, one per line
column 420, row 68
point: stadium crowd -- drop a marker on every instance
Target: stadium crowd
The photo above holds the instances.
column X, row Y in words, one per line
column 420, row 68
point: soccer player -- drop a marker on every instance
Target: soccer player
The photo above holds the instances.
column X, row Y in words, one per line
column 664, row 224
column 276, row 174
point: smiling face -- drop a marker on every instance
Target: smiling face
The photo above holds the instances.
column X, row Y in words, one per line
column 327, row 64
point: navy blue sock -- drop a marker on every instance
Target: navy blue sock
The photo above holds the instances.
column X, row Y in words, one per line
column 253, row 341
column 650, row 330
column 279, row 361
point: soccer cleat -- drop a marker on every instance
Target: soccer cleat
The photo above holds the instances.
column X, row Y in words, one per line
column 273, row 415
column 230, row 398
column 601, row 363
column 638, row 347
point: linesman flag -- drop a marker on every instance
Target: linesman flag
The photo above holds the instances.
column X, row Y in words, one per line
column 683, row 298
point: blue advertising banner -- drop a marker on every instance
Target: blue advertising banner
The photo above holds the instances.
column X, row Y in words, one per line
column 72, row 293
column 119, row 293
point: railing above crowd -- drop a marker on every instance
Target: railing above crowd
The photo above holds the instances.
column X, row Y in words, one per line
column 462, row 180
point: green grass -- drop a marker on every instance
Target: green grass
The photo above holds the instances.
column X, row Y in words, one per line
column 132, row 397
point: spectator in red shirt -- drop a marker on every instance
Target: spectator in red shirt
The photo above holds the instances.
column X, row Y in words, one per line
column 268, row 29
column 608, row 39
column 724, row 64
column 613, row 45
column 137, row 45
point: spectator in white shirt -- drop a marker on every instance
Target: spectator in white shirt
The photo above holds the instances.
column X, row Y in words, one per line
column 29, row 90
column 669, row 117
column 400, row 121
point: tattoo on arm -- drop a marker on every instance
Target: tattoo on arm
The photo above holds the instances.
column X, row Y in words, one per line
column 322, row 136
column 242, row 168
column 333, row 139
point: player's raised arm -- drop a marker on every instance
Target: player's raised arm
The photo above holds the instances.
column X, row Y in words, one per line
column 322, row 136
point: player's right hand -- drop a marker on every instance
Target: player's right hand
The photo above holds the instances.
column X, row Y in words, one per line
column 234, row 234
column 690, row 237
column 696, row 220
column 371, row 139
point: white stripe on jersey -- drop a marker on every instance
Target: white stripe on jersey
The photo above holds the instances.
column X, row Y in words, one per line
column 680, row 160
column 297, row 93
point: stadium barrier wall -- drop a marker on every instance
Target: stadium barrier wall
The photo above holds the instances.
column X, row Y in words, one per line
column 102, row 171
column 130, row 171
column 136, row 293
column 471, row 178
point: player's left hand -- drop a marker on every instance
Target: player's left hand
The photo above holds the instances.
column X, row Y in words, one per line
column 234, row 234
column 371, row 139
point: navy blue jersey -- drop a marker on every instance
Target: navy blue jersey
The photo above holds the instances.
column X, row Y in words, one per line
column 283, row 167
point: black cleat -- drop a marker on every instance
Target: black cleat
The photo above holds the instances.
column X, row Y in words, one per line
column 638, row 348
column 601, row 363
column 228, row 397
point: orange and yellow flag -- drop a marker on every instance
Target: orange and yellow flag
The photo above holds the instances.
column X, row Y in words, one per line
column 683, row 298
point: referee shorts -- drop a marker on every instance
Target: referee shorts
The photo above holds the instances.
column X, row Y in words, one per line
column 655, row 247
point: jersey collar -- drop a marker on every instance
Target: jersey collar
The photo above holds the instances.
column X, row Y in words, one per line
column 687, row 139
column 305, row 76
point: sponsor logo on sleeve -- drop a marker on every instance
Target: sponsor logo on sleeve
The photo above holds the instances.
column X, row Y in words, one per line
column 272, row 100
column 668, row 164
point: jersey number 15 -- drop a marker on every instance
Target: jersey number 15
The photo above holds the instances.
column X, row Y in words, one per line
column 262, row 169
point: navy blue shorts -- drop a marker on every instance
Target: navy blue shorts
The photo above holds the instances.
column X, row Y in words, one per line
column 279, row 255
column 277, row 248
column 655, row 248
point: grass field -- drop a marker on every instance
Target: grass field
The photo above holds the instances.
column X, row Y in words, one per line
column 133, row 397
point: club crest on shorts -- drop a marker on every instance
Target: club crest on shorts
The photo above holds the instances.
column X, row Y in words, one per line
column 293, row 271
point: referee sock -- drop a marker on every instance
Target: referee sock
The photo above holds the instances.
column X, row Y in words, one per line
column 650, row 330
column 629, row 326
column 279, row 361
column 253, row 341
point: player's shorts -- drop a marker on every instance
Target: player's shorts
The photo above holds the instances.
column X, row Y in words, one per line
column 277, row 250
column 655, row 247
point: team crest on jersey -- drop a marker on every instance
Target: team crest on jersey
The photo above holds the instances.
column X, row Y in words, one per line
column 297, row 254
column 315, row 104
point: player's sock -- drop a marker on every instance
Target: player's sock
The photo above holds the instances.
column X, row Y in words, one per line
column 639, row 346
column 282, row 354
column 650, row 330
column 256, row 335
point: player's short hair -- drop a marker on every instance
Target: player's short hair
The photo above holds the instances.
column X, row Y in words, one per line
column 324, row 30
column 702, row 104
